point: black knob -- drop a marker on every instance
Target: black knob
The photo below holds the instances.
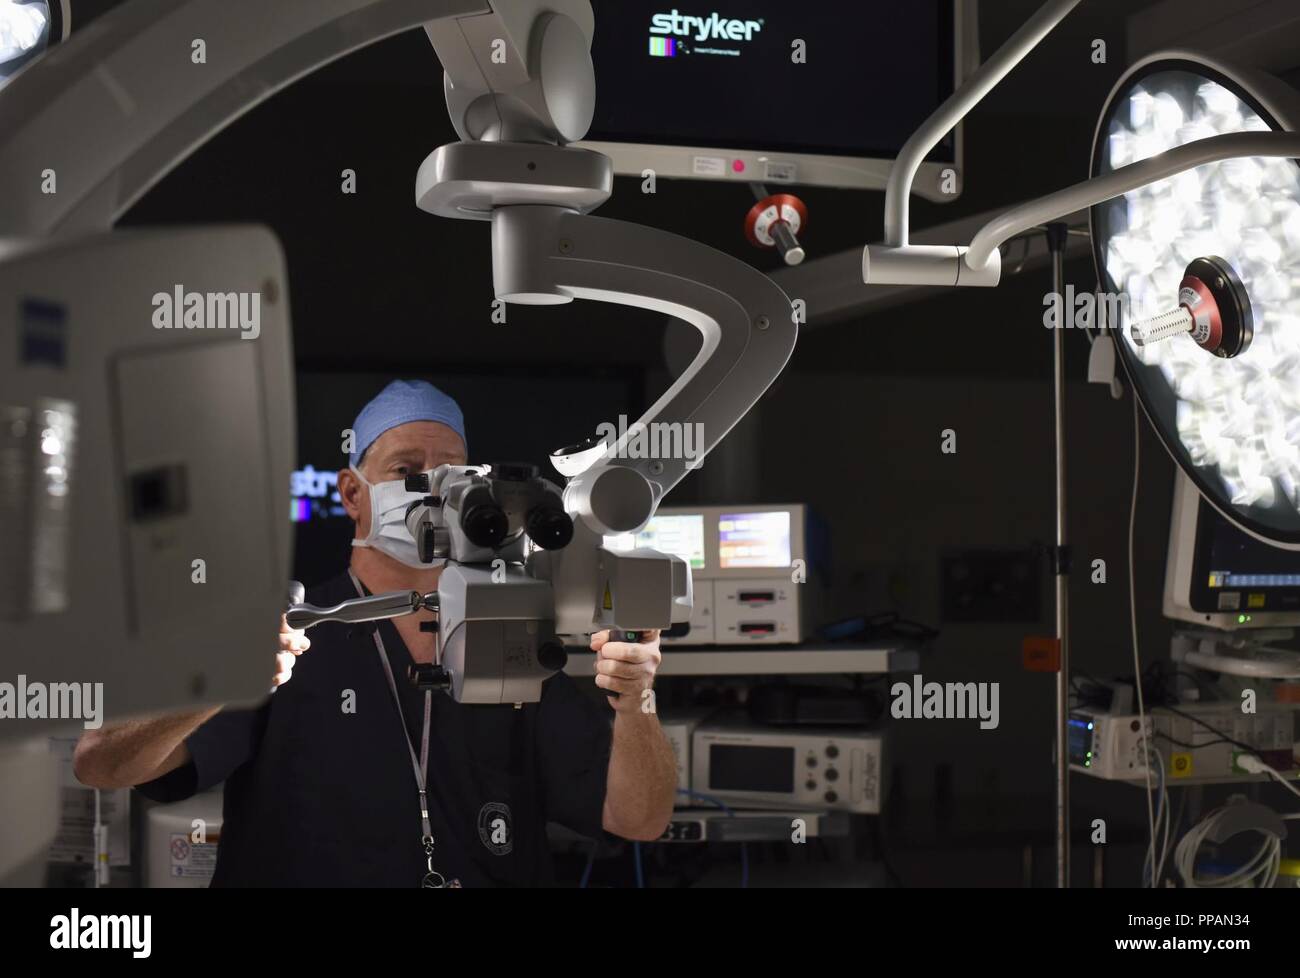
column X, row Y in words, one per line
column 551, row 655
column 810, row 784
column 429, row 676
column 832, row 751
column 832, row 774
column 831, row 797
column 812, row 762
column 424, row 542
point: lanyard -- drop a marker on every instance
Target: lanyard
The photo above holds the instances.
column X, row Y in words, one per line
column 433, row 879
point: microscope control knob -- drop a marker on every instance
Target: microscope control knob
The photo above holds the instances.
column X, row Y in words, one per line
column 551, row 655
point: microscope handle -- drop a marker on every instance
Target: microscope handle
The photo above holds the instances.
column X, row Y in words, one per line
column 621, row 635
column 391, row 604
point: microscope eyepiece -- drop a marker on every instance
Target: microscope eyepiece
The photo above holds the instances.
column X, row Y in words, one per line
column 418, row 482
column 482, row 518
column 549, row 526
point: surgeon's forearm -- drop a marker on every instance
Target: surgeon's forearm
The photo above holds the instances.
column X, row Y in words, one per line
column 136, row 751
column 642, row 779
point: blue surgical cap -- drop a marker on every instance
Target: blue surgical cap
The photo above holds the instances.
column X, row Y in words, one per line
column 401, row 402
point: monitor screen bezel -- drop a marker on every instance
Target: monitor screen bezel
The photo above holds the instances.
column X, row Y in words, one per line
column 757, row 164
column 1188, row 596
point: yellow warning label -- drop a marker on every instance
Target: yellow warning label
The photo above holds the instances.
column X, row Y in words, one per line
column 1255, row 601
column 609, row 598
column 1180, row 765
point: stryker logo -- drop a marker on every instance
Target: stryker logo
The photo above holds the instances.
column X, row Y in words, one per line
column 102, row 932
column 710, row 28
column 208, row 310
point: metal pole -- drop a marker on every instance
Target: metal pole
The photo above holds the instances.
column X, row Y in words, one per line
column 1056, row 235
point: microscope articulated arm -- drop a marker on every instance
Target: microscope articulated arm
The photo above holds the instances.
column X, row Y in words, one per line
column 746, row 322
column 543, row 254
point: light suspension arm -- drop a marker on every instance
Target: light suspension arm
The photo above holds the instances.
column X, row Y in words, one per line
column 1121, row 181
column 954, row 109
column 980, row 263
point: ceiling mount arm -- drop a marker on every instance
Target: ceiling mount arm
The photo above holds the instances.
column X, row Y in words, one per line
column 1097, row 189
column 968, row 94
column 130, row 90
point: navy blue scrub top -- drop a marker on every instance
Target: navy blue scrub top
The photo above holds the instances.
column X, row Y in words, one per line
column 316, row 796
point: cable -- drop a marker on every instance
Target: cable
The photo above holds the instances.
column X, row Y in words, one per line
column 1133, row 614
column 1255, row 765
column 99, row 835
column 1153, row 864
column 586, row 872
column 1163, row 813
column 1260, row 870
column 1224, row 738
column 744, row 849
column 1184, row 744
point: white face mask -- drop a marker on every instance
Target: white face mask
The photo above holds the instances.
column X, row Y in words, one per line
column 388, row 532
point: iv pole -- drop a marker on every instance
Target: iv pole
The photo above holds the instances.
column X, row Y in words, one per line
column 1056, row 235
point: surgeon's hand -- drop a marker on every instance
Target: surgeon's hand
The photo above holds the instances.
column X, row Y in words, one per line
column 627, row 668
column 293, row 643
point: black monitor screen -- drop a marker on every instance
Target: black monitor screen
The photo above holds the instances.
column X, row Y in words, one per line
column 733, row 74
column 749, row 768
column 1232, row 571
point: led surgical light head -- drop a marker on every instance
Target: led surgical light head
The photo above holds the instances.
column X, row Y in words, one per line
column 23, row 27
column 1208, row 262
column 27, row 28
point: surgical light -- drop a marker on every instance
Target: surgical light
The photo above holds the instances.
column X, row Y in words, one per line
column 24, row 28
column 1208, row 265
column 28, row 28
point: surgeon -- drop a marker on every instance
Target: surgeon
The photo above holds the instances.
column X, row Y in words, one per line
column 349, row 775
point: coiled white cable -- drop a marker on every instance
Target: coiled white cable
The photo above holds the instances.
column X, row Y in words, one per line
column 1260, row 871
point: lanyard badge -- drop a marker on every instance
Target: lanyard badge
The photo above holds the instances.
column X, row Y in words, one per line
column 433, row 880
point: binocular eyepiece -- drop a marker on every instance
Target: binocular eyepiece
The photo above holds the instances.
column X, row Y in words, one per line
column 482, row 518
column 549, row 526
column 490, row 510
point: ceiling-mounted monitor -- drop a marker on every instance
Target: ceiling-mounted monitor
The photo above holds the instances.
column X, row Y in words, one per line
column 818, row 92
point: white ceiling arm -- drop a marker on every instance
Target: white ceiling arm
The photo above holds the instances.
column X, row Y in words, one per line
column 968, row 94
column 549, row 254
column 1083, row 195
column 116, row 107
